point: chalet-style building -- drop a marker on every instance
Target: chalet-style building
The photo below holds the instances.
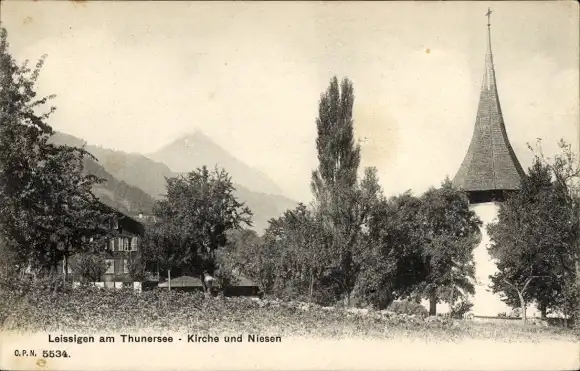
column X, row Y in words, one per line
column 123, row 250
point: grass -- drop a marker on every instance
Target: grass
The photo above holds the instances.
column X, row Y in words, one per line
column 97, row 310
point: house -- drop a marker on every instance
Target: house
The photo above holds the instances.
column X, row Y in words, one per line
column 123, row 251
column 243, row 286
column 184, row 284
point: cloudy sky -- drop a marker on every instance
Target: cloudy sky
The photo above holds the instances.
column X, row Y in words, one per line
column 135, row 76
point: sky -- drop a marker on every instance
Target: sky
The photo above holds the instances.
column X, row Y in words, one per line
column 135, row 76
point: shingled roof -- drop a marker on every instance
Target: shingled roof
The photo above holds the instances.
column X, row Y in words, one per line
column 490, row 163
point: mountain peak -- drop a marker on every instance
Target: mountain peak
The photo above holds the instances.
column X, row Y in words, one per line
column 194, row 138
column 196, row 149
column 125, row 172
column 195, row 133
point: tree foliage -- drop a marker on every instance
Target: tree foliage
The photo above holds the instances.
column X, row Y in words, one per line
column 421, row 247
column 340, row 199
column 193, row 219
column 89, row 267
column 390, row 263
column 251, row 255
column 353, row 244
column 535, row 239
column 450, row 232
column 47, row 209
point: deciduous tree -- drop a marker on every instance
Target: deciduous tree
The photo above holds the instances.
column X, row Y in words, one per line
column 168, row 242
column 193, row 220
column 89, row 267
column 450, row 232
column 335, row 182
column 391, row 264
column 536, row 237
column 47, row 209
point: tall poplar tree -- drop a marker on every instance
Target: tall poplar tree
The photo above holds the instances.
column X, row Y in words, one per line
column 334, row 183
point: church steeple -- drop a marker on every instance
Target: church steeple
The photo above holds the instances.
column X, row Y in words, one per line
column 490, row 167
column 489, row 74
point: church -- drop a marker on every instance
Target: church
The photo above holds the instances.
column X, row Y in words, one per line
column 488, row 173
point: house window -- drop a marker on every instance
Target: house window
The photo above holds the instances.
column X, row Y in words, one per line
column 134, row 243
column 126, row 244
column 125, row 266
column 110, row 266
column 115, row 223
column 119, row 243
column 112, row 244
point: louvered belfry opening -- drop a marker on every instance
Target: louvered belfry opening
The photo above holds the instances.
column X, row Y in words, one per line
column 490, row 169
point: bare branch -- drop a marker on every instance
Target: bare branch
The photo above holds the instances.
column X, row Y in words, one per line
column 527, row 283
column 511, row 284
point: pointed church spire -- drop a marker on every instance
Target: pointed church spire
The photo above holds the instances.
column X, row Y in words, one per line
column 490, row 166
column 489, row 75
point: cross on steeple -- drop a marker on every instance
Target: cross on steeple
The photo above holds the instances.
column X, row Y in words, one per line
column 488, row 14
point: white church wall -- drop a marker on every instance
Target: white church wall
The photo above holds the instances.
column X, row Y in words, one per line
column 485, row 302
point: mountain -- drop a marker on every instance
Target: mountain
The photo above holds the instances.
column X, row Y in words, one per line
column 132, row 168
column 115, row 193
column 192, row 151
column 123, row 169
column 118, row 194
column 263, row 206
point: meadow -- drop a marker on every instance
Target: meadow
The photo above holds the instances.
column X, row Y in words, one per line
column 96, row 310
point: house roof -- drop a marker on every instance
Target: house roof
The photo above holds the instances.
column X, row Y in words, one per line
column 183, row 281
column 490, row 162
column 143, row 219
column 243, row 281
column 121, row 213
column 188, row 281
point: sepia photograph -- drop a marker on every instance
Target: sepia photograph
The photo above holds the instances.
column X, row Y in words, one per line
column 233, row 185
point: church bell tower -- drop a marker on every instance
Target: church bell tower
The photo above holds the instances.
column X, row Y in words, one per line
column 490, row 168
column 490, row 171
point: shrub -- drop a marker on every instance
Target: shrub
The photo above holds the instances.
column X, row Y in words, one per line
column 224, row 278
column 460, row 309
column 516, row 313
column 408, row 307
column 135, row 266
column 89, row 267
column 370, row 291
